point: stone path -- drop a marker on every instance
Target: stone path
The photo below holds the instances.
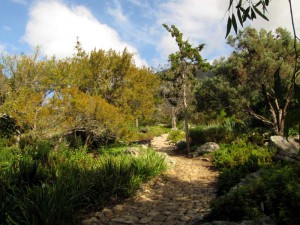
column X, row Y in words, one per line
column 175, row 198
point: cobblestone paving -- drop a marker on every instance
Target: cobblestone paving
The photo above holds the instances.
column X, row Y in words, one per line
column 175, row 198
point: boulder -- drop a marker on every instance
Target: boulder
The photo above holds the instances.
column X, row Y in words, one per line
column 248, row 179
column 181, row 145
column 208, row 147
column 169, row 161
column 287, row 149
column 134, row 151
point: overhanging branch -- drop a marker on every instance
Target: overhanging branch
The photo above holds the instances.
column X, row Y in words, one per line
column 259, row 117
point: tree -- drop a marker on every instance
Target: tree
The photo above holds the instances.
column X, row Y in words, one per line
column 98, row 95
column 216, row 94
column 26, row 86
column 262, row 63
column 292, row 116
column 106, row 81
column 184, row 64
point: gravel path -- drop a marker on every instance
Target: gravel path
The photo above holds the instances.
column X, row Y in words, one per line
column 175, row 198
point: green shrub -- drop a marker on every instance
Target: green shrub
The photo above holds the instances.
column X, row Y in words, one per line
column 3, row 143
column 176, row 135
column 212, row 133
column 237, row 160
column 241, row 153
column 277, row 190
column 181, row 145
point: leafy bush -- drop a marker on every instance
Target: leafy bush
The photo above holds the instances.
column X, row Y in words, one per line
column 176, row 135
column 212, row 133
column 275, row 194
column 240, row 153
column 3, row 142
column 181, row 145
column 237, row 160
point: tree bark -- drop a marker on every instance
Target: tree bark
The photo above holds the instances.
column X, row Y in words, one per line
column 137, row 123
column 186, row 119
column 174, row 127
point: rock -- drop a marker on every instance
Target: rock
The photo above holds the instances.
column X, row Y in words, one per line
column 99, row 214
column 169, row 161
column 94, row 219
column 118, row 208
column 247, row 179
column 206, row 148
column 107, row 212
column 152, row 213
column 131, row 218
column 196, row 220
column 134, row 151
column 119, row 220
column 146, row 220
column 286, row 149
column 86, row 222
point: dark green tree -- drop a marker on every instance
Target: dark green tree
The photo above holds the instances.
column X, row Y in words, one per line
column 183, row 66
column 249, row 10
column 262, row 63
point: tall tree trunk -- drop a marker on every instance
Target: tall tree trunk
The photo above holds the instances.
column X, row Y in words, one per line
column 137, row 123
column 174, row 127
column 186, row 119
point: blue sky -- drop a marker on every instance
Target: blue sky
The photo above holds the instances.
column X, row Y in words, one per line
column 136, row 24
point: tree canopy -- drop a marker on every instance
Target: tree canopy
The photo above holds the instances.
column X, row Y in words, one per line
column 99, row 92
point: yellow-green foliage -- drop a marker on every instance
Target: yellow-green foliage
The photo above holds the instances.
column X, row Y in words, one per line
column 176, row 135
column 98, row 92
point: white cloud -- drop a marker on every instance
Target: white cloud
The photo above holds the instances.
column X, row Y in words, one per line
column 54, row 26
column 279, row 16
column 117, row 12
column 201, row 21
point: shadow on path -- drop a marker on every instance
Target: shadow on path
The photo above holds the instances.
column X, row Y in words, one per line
column 174, row 198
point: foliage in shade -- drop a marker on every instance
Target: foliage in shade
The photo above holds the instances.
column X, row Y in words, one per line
column 277, row 189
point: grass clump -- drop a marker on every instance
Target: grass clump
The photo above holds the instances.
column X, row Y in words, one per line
column 40, row 185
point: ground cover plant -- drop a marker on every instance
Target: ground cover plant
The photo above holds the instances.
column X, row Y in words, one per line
column 40, row 185
column 273, row 192
column 238, row 159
